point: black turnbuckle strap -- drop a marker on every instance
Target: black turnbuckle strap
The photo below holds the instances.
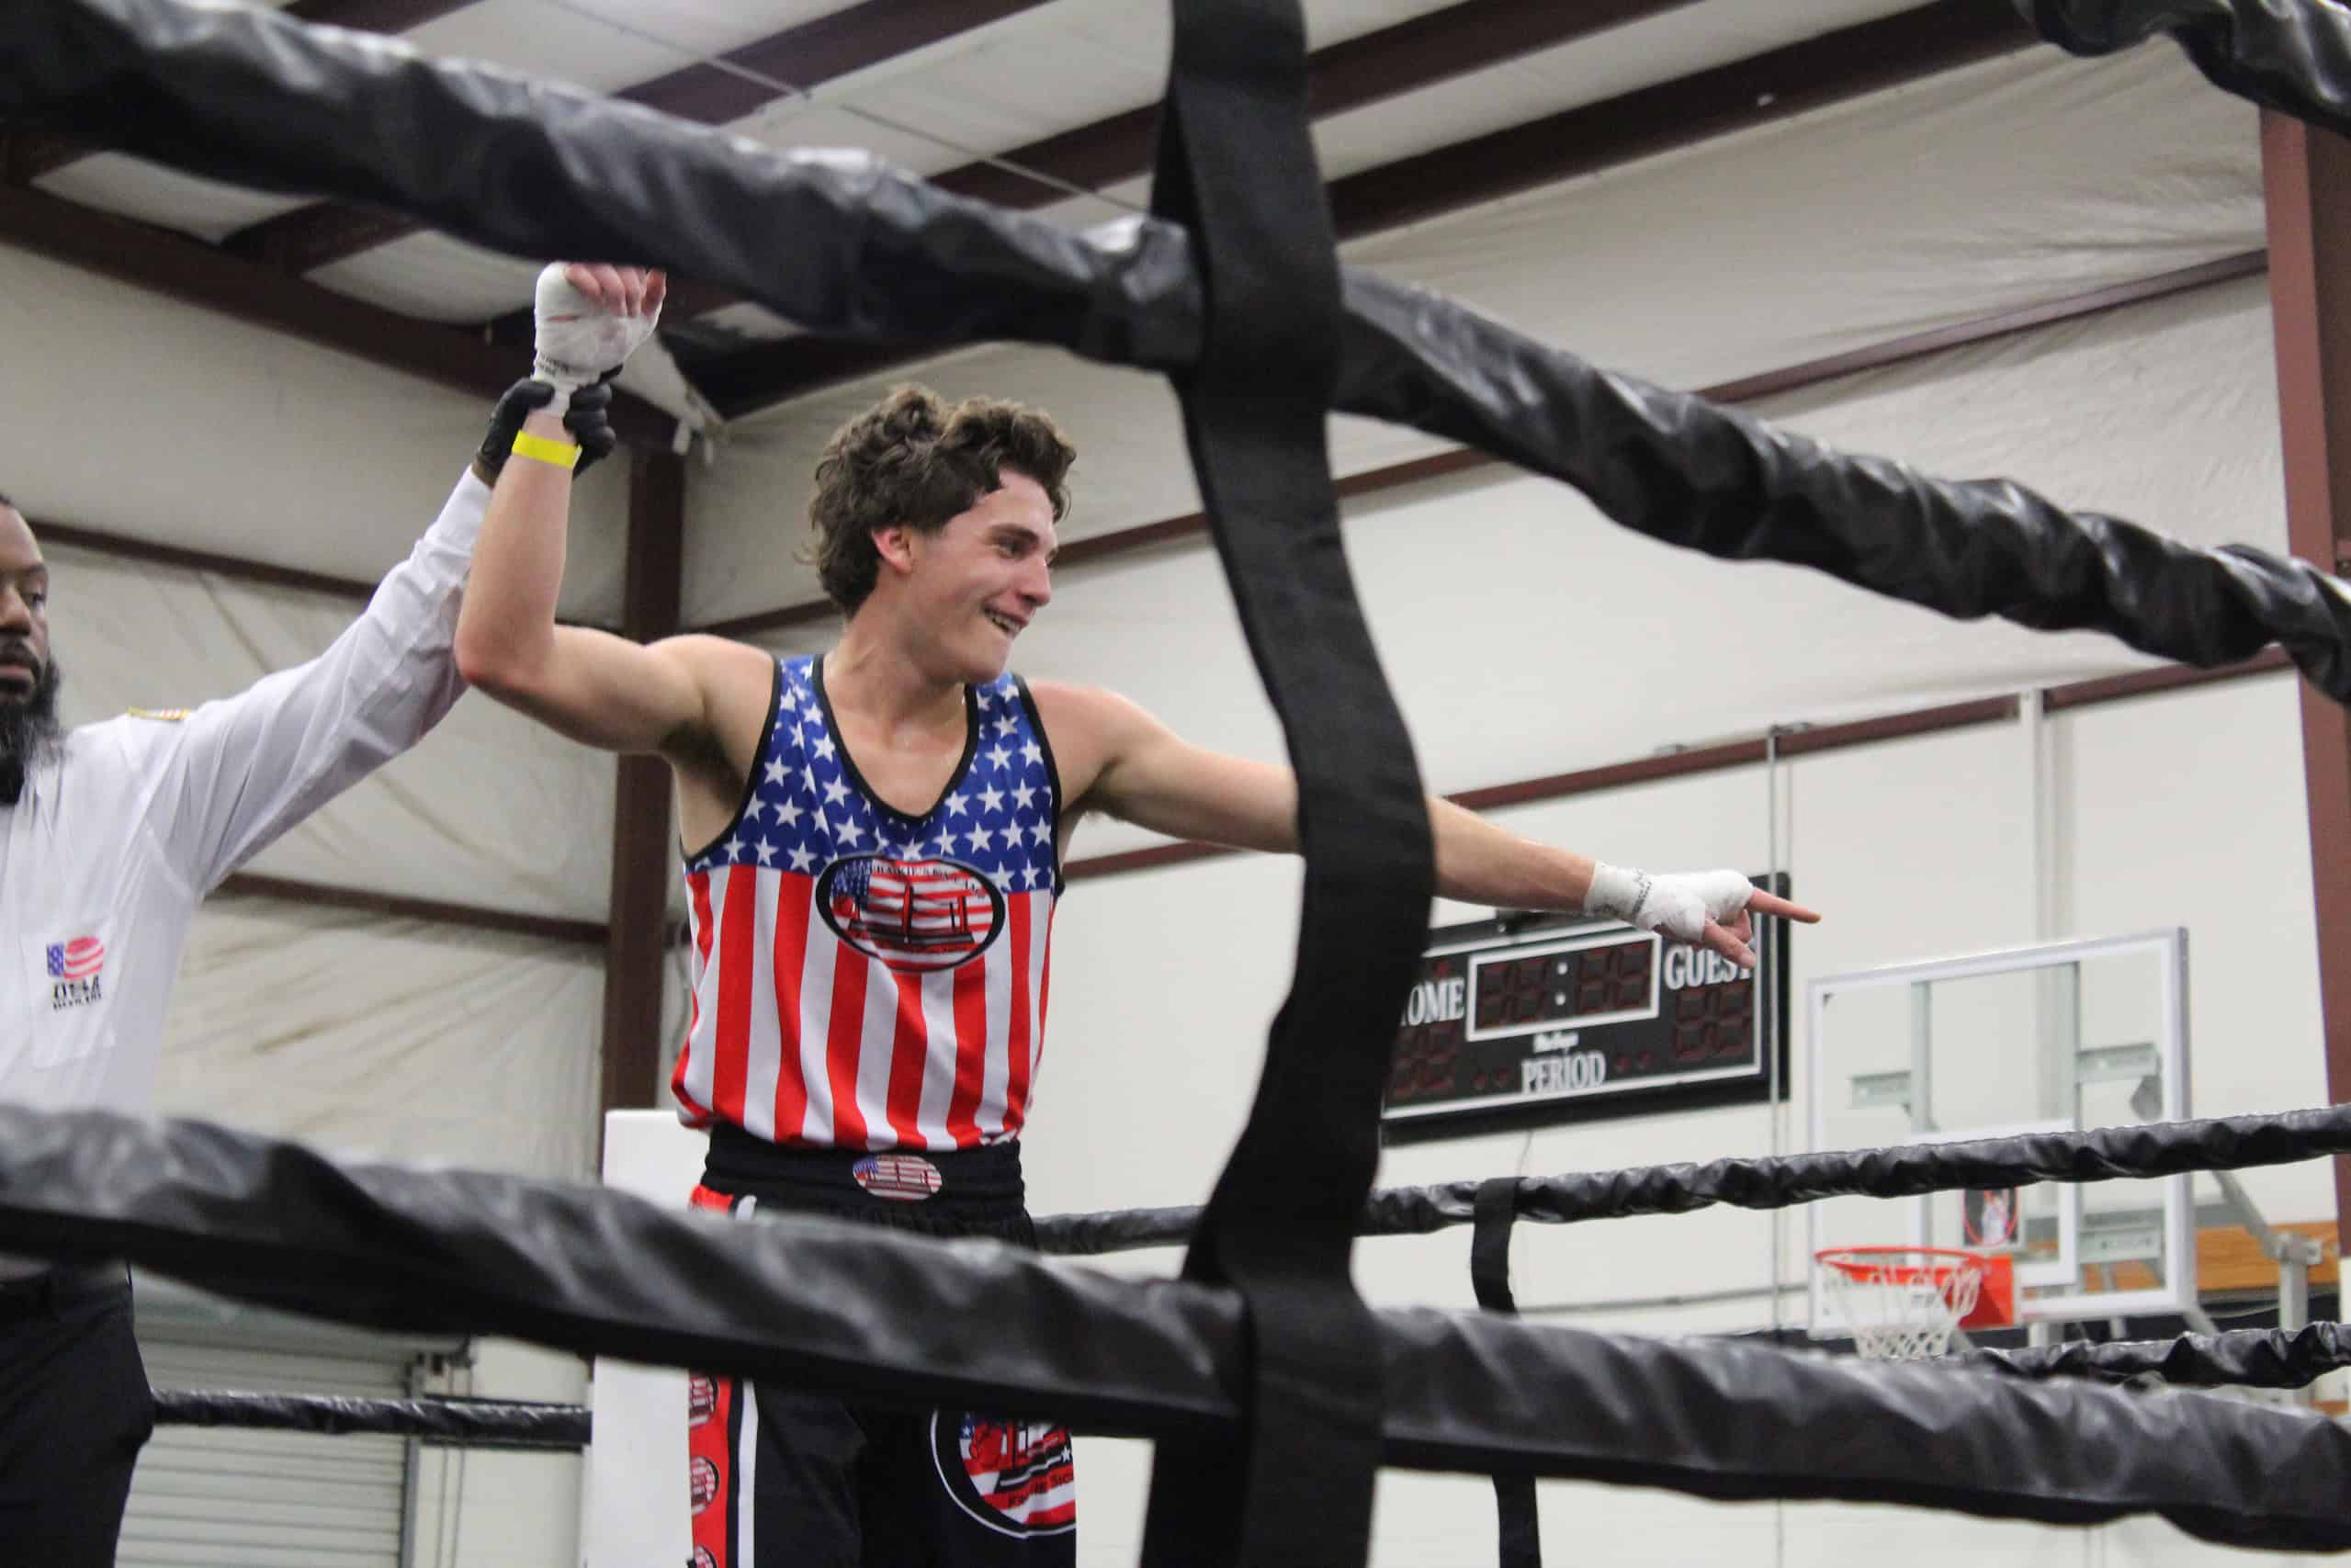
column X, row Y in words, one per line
column 1236, row 167
column 1519, row 1533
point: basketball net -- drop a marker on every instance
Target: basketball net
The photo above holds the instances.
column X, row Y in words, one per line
column 1902, row 1303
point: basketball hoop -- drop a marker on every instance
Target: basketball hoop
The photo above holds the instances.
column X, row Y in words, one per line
column 1902, row 1303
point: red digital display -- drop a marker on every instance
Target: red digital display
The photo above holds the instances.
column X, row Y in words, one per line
column 1557, row 990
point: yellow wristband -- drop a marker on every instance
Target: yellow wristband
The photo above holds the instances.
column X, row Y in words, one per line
column 538, row 448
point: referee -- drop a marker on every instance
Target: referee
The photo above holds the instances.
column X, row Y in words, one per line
column 111, row 834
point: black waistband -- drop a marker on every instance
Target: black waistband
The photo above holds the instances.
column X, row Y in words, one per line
column 979, row 1186
column 61, row 1289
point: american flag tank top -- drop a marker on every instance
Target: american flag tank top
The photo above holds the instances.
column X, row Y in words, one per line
column 863, row 979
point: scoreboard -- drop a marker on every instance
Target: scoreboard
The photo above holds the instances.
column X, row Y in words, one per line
column 1529, row 1018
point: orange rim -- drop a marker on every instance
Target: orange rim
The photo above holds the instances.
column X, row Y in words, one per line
column 1872, row 1264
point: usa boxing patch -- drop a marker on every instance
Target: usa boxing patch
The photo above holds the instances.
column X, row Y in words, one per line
column 916, row 915
column 902, row 1179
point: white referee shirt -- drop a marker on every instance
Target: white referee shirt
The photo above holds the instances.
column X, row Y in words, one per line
column 118, row 836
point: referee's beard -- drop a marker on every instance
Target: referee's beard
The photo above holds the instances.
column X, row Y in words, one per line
column 30, row 729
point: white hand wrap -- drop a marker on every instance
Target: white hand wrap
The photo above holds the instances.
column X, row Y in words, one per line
column 579, row 340
column 1679, row 904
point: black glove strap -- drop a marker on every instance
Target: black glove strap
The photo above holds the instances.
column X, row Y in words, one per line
column 588, row 419
column 515, row 405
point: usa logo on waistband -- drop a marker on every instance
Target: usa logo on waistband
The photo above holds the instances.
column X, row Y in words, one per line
column 905, row 1179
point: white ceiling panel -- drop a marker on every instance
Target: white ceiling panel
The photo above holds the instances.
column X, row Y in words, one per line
column 1031, row 75
column 980, row 91
column 435, row 278
column 750, row 323
column 699, row 26
column 820, row 123
column 1121, row 200
column 1335, row 21
column 1677, row 43
column 116, row 182
column 603, row 46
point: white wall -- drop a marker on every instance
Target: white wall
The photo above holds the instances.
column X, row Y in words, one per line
column 482, row 1508
column 1915, row 849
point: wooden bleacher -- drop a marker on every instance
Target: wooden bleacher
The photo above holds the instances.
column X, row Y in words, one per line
column 2230, row 1262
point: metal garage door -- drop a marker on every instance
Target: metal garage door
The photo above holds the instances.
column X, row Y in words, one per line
column 268, row 1499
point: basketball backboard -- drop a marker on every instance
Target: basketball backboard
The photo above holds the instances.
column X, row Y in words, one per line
column 2058, row 1037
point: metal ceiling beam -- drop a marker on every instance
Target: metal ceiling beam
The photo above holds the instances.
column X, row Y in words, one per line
column 433, row 911
column 234, row 568
column 196, row 274
column 242, row 569
column 2306, row 180
column 28, row 155
column 1832, row 68
column 311, row 237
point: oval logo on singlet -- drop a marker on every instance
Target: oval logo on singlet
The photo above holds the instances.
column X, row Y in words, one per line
column 915, row 915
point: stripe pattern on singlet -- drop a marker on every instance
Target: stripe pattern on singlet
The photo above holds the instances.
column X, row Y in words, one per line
column 866, row 979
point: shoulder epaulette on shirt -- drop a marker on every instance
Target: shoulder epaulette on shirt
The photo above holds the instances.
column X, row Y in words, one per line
column 168, row 716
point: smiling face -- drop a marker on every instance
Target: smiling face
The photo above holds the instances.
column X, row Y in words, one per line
column 966, row 590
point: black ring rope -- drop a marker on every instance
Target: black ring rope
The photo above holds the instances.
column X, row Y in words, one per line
column 2248, row 1357
column 474, row 1423
column 858, row 249
column 846, row 246
column 1906, row 1170
column 2293, row 57
column 891, row 1319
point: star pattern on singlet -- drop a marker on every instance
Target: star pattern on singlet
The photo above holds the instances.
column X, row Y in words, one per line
column 807, row 810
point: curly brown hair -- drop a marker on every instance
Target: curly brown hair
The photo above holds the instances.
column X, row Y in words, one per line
column 911, row 461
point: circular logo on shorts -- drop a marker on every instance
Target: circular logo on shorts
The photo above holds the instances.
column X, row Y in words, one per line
column 705, row 1483
column 701, row 1400
column 702, row 1558
column 1015, row 1477
column 915, row 915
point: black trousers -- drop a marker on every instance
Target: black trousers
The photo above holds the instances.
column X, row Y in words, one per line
column 74, row 1411
column 783, row 1478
